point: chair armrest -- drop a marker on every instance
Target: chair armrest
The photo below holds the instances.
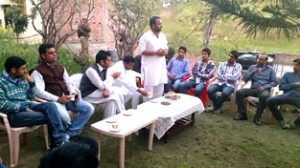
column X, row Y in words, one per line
column 5, row 120
column 39, row 100
column 186, row 77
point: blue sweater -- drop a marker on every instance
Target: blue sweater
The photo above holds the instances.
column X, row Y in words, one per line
column 178, row 68
column 287, row 84
column 15, row 96
column 265, row 78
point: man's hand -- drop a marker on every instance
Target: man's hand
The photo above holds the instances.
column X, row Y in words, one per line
column 297, row 84
column 261, row 89
column 172, row 77
column 64, row 99
column 27, row 77
column 29, row 110
column 105, row 93
column 161, row 52
column 143, row 92
column 256, row 70
column 116, row 74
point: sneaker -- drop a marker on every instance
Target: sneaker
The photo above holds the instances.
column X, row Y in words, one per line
column 240, row 117
column 284, row 125
column 218, row 111
column 209, row 109
column 257, row 121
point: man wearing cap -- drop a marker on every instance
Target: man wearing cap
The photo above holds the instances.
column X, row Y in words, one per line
column 290, row 84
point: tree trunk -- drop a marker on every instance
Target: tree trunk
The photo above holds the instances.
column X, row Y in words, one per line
column 209, row 27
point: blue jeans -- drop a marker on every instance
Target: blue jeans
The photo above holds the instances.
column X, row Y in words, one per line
column 218, row 101
column 84, row 110
column 274, row 102
column 184, row 86
column 44, row 113
column 175, row 85
column 243, row 93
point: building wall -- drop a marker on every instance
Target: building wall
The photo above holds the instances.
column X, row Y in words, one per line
column 100, row 32
column 99, row 24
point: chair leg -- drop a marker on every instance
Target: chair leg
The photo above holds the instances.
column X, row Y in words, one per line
column 46, row 135
column 14, row 146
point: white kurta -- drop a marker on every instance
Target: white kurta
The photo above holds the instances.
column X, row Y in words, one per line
column 126, row 82
column 154, row 69
column 115, row 101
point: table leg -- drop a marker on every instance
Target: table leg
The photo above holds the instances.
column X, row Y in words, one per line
column 151, row 133
column 98, row 137
column 122, row 152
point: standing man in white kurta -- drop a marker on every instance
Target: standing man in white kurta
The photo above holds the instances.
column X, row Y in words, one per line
column 126, row 80
column 153, row 46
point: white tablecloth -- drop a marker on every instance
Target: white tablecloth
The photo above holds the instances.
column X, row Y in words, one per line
column 168, row 114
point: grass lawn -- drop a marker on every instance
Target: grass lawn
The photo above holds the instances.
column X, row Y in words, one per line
column 214, row 141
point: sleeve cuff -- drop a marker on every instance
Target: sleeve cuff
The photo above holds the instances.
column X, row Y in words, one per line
column 32, row 84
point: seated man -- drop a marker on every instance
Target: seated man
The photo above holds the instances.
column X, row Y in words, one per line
column 228, row 74
column 177, row 68
column 290, row 84
column 263, row 78
column 201, row 72
column 53, row 84
column 96, row 86
column 125, row 79
column 17, row 89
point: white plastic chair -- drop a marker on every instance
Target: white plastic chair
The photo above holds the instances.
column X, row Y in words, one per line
column 13, row 137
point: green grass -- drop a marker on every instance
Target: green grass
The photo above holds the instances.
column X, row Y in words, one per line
column 214, row 141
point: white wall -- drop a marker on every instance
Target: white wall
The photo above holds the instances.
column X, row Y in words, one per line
column 31, row 36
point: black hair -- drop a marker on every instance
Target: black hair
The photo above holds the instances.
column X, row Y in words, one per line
column 86, row 142
column 44, row 47
column 182, row 48
column 102, row 55
column 234, row 53
column 69, row 155
column 13, row 62
column 128, row 59
column 207, row 50
column 152, row 20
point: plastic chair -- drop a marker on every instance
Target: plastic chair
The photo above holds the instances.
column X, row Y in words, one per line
column 13, row 137
column 267, row 116
column 203, row 95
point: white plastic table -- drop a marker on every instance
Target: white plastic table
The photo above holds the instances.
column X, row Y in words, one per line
column 127, row 125
column 169, row 114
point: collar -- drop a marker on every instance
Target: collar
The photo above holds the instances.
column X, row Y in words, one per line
column 230, row 65
column 100, row 67
column 6, row 75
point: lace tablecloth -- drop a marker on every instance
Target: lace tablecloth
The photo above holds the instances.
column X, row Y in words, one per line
column 168, row 114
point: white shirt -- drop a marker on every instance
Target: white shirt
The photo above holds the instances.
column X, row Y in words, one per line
column 94, row 77
column 40, row 85
column 154, row 68
column 127, row 78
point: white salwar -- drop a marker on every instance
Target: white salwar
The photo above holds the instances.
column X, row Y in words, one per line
column 114, row 104
column 154, row 69
column 127, row 83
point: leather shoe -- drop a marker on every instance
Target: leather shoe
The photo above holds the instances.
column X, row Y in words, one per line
column 240, row 117
column 257, row 121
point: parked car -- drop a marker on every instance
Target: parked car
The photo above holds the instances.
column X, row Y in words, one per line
column 246, row 59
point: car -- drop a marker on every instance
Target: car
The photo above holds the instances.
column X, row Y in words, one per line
column 246, row 59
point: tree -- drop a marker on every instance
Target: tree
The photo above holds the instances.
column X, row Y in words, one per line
column 128, row 21
column 14, row 16
column 279, row 16
column 57, row 16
